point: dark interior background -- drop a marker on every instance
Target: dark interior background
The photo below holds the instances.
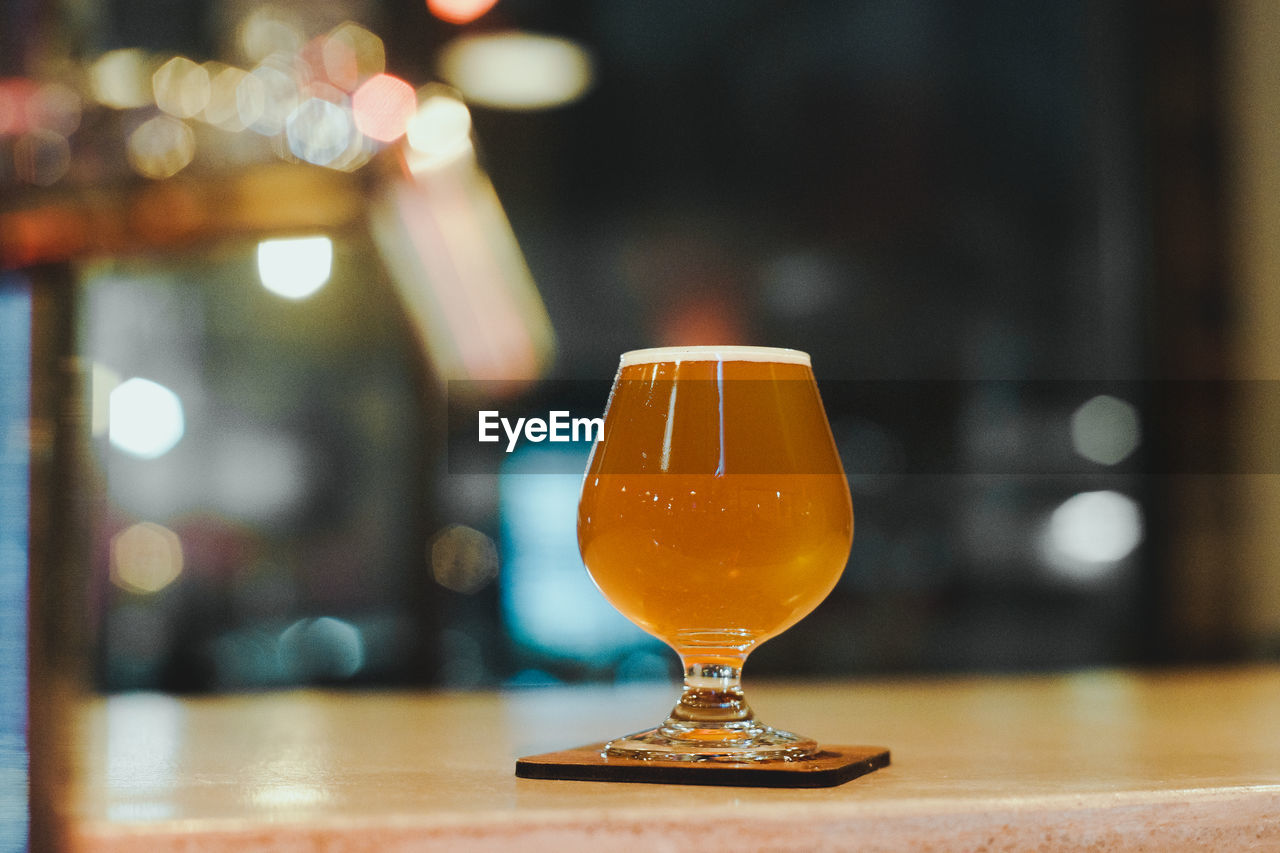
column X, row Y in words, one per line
column 988, row 198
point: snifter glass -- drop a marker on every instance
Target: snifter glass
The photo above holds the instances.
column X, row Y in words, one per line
column 715, row 514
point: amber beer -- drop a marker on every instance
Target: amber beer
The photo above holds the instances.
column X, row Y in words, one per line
column 715, row 512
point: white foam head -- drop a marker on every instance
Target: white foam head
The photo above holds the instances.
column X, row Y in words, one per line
column 774, row 355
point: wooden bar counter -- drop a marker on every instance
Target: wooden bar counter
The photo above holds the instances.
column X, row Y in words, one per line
column 1093, row 761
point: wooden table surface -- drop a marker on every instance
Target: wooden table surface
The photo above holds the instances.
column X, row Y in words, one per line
column 1097, row 761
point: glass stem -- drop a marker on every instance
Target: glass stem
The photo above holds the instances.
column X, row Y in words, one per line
column 712, row 695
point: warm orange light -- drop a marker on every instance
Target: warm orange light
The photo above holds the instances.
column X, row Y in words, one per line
column 44, row 234
column 459, row 11
column 383, row 106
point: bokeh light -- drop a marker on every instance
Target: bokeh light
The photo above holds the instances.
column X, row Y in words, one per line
column 144, row 418
column 181, row 87
column 56, row 107
column 517, row 71
column 145, row 558
column 350, row 54
column 459, row 11
column 323, row 648
column 268, row 96
column 463, row 559
column 1106, row 429
column 440, row 131
column 320, row 131
column 161, row 147
column 1089, row 533
column 327, row 92
column 41, row 157
column 251, row 100
column 295, row 267
column 269, row 30
column 121, row 79
column 16, row 94
column 338, row 62
column 223, row 109
column 359, row 152
column 383, row 106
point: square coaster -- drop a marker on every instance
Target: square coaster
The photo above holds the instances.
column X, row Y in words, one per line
column 834, row 765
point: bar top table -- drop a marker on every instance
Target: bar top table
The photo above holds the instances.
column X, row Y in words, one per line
column 1186, row 760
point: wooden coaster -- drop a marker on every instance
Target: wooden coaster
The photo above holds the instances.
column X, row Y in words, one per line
column 834, row 765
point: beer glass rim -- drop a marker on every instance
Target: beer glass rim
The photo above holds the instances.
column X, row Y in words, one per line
column 654, row 355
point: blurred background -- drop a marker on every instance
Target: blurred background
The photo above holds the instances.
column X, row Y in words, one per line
column 247, row 250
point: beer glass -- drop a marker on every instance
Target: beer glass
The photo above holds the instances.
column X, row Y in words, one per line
column 715, row 514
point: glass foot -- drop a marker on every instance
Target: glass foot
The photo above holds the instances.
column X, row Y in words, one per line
column 712, row 722
column 677, row 740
